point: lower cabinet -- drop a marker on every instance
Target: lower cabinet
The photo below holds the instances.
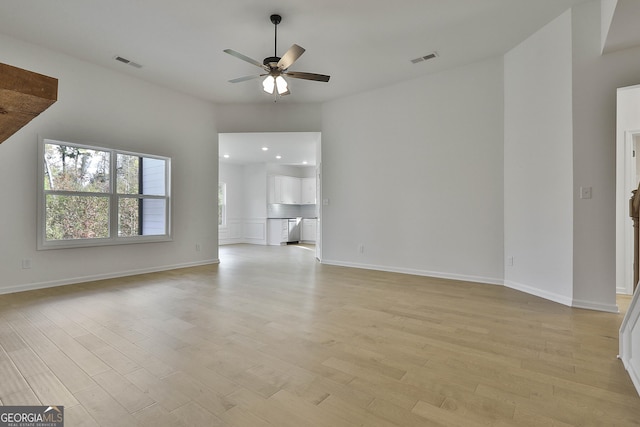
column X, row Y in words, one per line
column 277, row 231
column 309, row 230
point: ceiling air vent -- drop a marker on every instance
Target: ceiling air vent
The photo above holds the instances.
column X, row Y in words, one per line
column 424, row 58
column 126, row 61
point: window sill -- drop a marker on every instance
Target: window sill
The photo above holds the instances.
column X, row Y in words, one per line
column 90, row 243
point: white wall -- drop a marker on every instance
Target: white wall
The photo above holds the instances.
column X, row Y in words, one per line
column 413, row 172
column 255, row 203
column 269, row 117
column 297, row 171
column 607, row 10
column 233, row 176
column 595, row 82
column 538, row 161
column 101, row 107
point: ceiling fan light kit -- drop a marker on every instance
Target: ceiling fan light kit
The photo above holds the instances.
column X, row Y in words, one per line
column 278, row 83
column 277, row 67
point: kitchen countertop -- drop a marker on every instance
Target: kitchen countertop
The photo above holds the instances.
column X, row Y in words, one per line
column 292, row 217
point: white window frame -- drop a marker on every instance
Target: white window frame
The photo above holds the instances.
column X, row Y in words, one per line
column 113, row 239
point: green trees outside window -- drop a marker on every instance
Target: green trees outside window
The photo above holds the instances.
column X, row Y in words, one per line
column 96, row 194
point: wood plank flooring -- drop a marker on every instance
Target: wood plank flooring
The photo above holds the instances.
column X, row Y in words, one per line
column 271, row 338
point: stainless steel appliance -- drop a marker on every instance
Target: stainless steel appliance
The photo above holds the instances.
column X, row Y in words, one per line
column 294, row 230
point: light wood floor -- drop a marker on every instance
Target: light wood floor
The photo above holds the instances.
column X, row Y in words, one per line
column 271, row 338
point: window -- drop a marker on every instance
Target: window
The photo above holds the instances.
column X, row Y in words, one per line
column 91, row 196
column 222, row 204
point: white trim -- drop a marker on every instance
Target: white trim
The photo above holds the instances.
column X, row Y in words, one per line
column 92, row 278
column 629, row 171
column 630, row 332
column 113, row 196
column 254, row 231
column 591, row 305
column 561, row 299
column 231, row 233
column 416, row 272
column 236, row 241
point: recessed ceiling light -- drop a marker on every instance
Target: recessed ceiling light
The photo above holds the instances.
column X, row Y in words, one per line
column 226, row 156
column 304, row 163
column 278, row 157
column 265, row 148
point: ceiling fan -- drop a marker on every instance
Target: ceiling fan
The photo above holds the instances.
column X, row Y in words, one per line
column 277, row 68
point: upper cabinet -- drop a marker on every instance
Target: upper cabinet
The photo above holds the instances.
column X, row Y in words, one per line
column 290, row 190
column 308, row 192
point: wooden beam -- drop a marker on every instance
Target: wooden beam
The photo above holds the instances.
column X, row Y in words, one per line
column 23, row 96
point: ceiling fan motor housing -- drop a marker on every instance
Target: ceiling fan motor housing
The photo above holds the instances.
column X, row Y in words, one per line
column 271, row 61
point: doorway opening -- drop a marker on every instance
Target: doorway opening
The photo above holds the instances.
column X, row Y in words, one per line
column 256, row 167
column 627, row 180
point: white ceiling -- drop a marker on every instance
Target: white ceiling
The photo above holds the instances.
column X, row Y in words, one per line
column 362, row 44
column 295, row 148
column 624, row 31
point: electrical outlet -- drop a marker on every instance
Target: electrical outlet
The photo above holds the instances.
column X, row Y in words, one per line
column 510, row 261
column 197, row 247
column 361, row 248
column 585, row 192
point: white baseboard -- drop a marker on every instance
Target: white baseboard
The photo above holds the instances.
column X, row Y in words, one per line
column 622, row 290
column 590, row 305
column 92, row 278
column 551, row 296
column 234, row 241
column 417, row 272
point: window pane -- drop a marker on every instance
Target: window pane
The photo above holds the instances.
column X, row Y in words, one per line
column 153, row 177
column 69, row 168
column 128, row 168
column 154, row 213
column 76, row 217
column 141, row 175
column 141, row 217
column 129, row 217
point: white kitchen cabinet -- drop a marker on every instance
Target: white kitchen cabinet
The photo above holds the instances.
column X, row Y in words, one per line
column 288, row 190
column 281, row 188
column 291, row 190
column 308, row 191
column 277, row 231
column 273, row 196
column 309, row 230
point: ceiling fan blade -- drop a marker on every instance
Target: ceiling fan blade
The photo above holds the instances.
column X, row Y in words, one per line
column 307, row 76
column 245, row 78
column 245, row 58
column 290, row 57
